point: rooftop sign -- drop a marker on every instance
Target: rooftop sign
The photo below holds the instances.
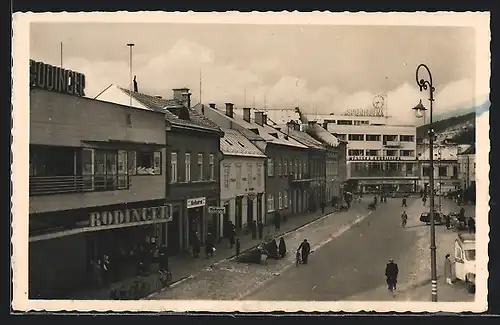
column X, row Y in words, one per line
column 374, row 112
column 48, row 77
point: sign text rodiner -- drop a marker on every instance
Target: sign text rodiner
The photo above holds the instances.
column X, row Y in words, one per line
column 130, row 216
column 48, row 77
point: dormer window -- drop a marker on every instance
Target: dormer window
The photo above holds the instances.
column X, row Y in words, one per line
column 228, row 142
column 256, row 131
column 241, row 144
column 274, row 135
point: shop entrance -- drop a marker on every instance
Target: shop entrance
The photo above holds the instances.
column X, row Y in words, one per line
column 259, row 207
column 195, row 217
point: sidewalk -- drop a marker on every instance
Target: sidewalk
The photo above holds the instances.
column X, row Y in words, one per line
column 185, row 265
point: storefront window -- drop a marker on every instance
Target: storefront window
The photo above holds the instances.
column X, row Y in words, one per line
column 148, row 163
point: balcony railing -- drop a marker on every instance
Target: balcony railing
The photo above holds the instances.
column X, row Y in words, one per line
column 49, row 185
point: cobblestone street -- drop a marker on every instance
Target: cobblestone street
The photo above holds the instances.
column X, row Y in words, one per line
column 229, row 280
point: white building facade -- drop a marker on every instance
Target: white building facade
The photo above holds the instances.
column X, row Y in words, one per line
column 242, row 180
column 445, row 166
column 380, row 157
column 467, row 167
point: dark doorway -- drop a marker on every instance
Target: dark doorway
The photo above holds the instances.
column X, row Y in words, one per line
column 249, row 211
column 225, row 218
column 195, row 223
column 259, row 207
column 238, row 212
column 173, row 232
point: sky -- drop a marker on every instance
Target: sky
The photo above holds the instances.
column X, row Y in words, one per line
column 321, row 68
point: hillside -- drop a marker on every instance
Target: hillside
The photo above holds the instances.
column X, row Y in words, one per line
column 460, row 129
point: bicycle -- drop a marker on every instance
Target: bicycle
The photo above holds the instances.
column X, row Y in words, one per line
column 164, row 279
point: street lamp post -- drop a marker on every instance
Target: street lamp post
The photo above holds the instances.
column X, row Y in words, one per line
column 440, row 180
column 420, row 110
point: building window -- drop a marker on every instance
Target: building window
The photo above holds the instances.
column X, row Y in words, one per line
column 147, row 163
column 409, row 169
column 270, row 203
column 200, row 166
column 296, row 168
column 372, row 152
column 344, row 122
column 238, row 176
column 173, row 167
column 455, row 171
column 187, row 167
column 443, row 171
column 211, row 162
column 356, row 152
column 373, row 137
column 290, row 169
column 259, row 174
column 426, row 171
column 389, row 137
column 407, row 153
column 279, row 166
column 391, row 153
column 227, row 173
column 250, row 175
column 285, row 199
column 270, row 167
column 406, row 138
column 280, row 201
column 285, row 167
column 356, row 137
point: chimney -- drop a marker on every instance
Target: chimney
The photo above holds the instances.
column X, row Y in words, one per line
column 212, row 106
column 186, row 99
column 246, row 114
column 264, row 119
column 291, row 125
column 259, row 118
column 230, row 109
column 178, row 93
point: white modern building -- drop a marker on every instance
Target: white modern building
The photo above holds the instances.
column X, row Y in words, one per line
column 379, row 156
column 242, row 179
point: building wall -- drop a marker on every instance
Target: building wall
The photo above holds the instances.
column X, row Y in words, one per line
column 448, row 181
column 467, row 169
column 182, row 141
column 64, row 120
column 246, row 186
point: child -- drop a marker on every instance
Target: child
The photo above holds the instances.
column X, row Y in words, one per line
column 297, row 258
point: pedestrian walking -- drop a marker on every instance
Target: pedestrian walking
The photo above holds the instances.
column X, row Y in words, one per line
column 106, row 264
column 403, row 204
column 260, row 228
column 391, row 274
column 424, row 199
column 404, row 219
column 282, row 248
column 254, row 229
column 471, row 225
column 448, row 269
column 297, row 258
column 238, row 246
column 305, row 250
column 276, row 221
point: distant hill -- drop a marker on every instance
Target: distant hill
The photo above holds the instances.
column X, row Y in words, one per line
column 459, row 129
column 485, row 106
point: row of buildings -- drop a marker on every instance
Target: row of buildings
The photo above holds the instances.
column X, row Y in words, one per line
column 113, row 174
column 391, row 158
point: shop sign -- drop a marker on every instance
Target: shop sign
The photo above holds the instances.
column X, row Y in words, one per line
column 51, row 78
column 196, row 202
column 131, row 216
column 377, row 112
column 218, row 210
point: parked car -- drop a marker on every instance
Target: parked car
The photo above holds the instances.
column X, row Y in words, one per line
column 438, row 218
column 465, row 260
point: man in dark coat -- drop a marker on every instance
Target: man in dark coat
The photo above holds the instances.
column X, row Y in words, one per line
column 471, row 225
column 391, row 273
column 195, row 242
column 447, row 220
column 260, row 228
column 305, row 249
column 282, row 248
column 253, row 228
column 277, row 221
column 209, row 246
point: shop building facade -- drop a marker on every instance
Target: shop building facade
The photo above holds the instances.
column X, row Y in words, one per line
column 242, row 181
column 446, row 167
column 286, row 162
column 193, row 160
column 96, row 187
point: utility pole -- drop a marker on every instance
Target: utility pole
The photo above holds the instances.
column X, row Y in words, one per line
column 61, row 54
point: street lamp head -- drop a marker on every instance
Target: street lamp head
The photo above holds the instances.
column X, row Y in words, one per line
column 419, row 109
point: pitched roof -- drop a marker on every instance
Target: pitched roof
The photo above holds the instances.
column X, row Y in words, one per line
column 265, row 132
column 160, row 104
column 469, row 151
column 236, row 144
column 302, row 137
column 320, row 134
